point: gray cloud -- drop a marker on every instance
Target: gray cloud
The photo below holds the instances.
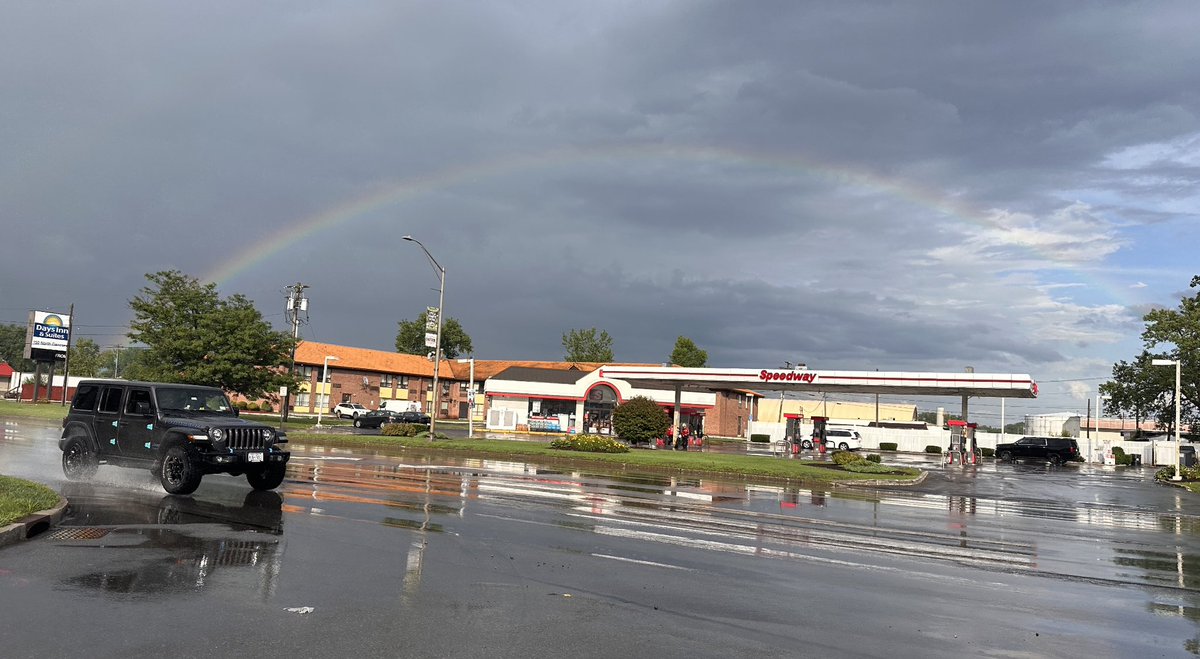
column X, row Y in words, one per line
column 849, row 184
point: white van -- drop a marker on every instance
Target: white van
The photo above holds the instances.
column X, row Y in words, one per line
column 400, row 406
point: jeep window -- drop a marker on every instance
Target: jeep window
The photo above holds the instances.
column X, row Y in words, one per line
column 111, row 403
column 190, row 399
column 85, row 397
column 139, row 403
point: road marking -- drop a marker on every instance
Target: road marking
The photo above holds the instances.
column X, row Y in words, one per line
column 640, row 562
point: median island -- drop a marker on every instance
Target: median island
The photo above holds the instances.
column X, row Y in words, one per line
column 759, row 467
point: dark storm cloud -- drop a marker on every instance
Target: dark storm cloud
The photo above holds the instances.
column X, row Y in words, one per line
column 850, row 184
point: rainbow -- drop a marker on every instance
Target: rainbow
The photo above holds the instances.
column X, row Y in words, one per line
column 407, row 189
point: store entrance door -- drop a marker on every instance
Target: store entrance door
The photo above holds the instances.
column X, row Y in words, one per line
column 598, row 408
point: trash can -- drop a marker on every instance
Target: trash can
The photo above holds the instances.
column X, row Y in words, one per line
column 1187, row 455
column 1135, row 460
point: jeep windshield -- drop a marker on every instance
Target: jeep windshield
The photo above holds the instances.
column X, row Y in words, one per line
column 193, row 399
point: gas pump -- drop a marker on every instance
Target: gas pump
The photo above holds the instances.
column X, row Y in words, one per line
column 973, row 455
column 818, row 436
column 963, row 448
column 957, row 442
column 792, row 432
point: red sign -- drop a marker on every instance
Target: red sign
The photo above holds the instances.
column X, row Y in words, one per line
column 787, row 376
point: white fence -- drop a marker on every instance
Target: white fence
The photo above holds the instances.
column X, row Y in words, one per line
column 915, row 441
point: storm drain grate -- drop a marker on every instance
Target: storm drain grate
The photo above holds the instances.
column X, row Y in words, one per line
column 77, row 533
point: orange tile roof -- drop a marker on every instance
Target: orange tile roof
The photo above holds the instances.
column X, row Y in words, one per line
column 362, row 359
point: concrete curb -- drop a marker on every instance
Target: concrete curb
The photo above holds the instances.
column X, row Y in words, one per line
column 33, row 524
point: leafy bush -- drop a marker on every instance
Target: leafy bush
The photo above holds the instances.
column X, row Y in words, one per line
column 241, row 404
column 267, row 407
column 589, row 444
column 1191, row 473
column 1165, row 474
column 640, row 420
column 988, row 452
column 760, row 438
column 933, row 448
column 874, row 457
column 888, row 446
column 844, row 458
column 402, row 429
column 1118, row 453
column 253, row 407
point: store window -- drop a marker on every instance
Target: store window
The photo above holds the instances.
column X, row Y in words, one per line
column 551, row 415
column 385, row 380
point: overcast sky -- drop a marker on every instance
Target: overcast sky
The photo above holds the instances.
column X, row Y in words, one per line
column 853, row 185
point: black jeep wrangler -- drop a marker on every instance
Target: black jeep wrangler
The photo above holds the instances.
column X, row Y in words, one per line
column 179, row 431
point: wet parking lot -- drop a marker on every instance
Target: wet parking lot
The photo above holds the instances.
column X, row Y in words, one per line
column 381, row 554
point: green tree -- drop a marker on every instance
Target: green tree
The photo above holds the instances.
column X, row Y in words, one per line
column 686, row 353
column 1176, row 332
column 86, row 359
column 640, row 420
column 410, row 339
column 194, row 336
column 1144, row 391
column 1140, row 390
column 12, row 347
column 585, row 345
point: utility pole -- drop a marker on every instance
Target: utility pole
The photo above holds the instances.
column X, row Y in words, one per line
column 296, row 305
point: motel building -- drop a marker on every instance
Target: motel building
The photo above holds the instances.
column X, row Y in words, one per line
column 518, row 396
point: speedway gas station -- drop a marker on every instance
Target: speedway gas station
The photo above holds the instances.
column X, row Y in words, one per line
column 963, row 386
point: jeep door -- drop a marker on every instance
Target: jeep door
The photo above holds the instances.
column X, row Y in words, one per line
column 108, row 418
column 136, row 428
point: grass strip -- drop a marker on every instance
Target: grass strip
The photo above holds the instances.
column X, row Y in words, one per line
column 669, row 461
column 19, row 498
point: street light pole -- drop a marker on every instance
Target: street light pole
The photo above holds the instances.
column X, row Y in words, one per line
column 324, row 382
column 437, row 349
column 1178, row 454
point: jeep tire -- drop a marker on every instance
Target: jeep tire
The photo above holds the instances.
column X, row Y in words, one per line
column 79, row 461
column 179, row 471
column 267, row 478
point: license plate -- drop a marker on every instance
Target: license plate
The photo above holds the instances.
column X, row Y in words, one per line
column 254, row 457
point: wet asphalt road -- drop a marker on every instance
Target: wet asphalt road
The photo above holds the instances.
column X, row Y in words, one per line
column 399, row 555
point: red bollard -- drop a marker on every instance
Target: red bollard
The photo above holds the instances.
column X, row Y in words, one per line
column 821, row 448
column 795, row 448
column 659, row 443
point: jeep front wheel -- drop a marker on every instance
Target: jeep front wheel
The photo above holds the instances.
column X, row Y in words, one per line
column 180, row 473
column 79, row 461
column 268, row 478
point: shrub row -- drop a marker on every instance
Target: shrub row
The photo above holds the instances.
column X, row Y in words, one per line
column 254, row 407
column 888, row 446
column 402, row 429
column 933, row 448
column 760, row 438
column 589, row 444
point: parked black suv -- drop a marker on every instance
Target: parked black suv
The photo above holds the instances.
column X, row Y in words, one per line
column 179, row 431
column 1055, row 450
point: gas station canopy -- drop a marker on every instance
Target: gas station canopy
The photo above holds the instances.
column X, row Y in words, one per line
column 981, row 385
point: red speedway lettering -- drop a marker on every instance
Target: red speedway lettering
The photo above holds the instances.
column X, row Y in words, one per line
column 787, row 376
